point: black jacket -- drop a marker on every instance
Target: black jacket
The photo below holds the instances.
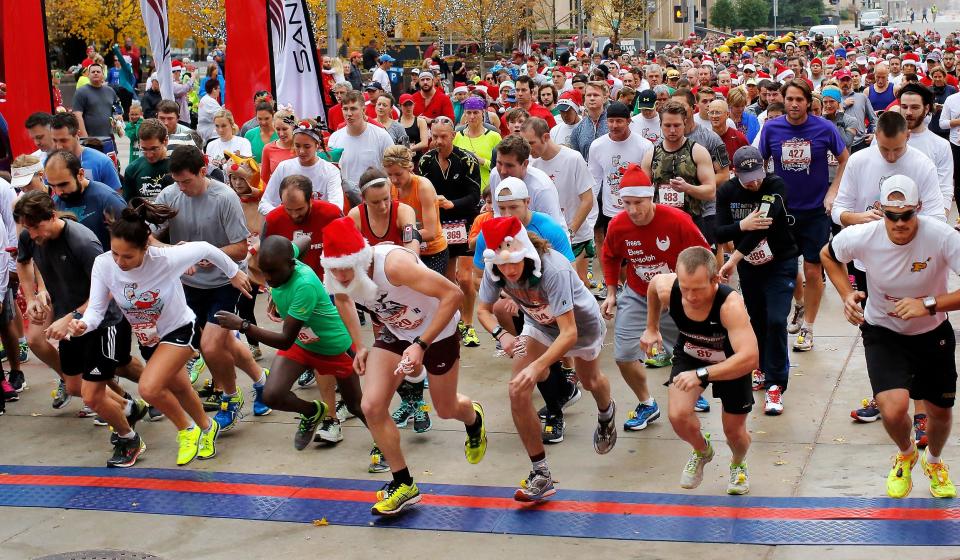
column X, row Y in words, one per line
column 735, row 202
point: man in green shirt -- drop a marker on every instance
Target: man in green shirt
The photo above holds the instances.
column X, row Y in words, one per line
column 148, row 175
column 313, row 336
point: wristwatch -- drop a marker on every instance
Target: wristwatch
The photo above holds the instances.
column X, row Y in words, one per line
column 930, row 302
column 420, row 342
column 703, row 375
column 244, row 326
column 497, row 333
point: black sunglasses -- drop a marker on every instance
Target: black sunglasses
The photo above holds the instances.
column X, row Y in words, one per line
column 905, row 216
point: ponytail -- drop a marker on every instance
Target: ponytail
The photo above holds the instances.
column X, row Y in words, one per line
column 132, row 224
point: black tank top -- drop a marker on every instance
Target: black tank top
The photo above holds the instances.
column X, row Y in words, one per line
column 707, row 340
column 413, row 132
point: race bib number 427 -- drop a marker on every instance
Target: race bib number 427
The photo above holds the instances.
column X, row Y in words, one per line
column 796, row 155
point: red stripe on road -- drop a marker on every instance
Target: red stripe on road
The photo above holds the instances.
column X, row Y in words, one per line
column 559, row 506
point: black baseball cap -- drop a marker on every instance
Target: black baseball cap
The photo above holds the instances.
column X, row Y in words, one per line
column 618, row 110
column 646, row 99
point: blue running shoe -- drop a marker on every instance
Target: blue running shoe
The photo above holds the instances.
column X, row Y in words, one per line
column 639, row 418
column 701, row 405
column 259, row 408
column 231, row 411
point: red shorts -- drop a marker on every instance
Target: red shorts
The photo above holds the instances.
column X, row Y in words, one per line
column 339, row 366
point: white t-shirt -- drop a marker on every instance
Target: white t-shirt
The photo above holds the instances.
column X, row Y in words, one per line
column 360, row 152
column 607, row 159
column 324, row 175
column 918, row 269
column 380, row 75
column 151, row 295
column 238, row 145
column 569, row 173
column 205, row 110
column 561, row 133
column 646, row 128
column 542, row 191
column 951, row 110
column 938, row 150
column 860, row 184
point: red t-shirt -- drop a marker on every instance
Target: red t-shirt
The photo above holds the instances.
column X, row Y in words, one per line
column 649, row 250
column 733, row 139
column 335, row 117
column 277, row 222
column 440, row 105
column 951, row 81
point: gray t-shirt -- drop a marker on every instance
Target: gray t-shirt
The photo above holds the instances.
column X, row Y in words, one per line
column 718, row 153
column 65, row 264
column 558, row 291
column 96, row 104
column 215, row 216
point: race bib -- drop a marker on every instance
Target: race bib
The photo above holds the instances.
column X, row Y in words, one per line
column 761, row 254
column 146, row 333
column 301, row 235
column 455, row 232
column 670, row 196
column 709, row 355
column 646, row 273
column 795, row 155
column 540, row 314
column 307, row 336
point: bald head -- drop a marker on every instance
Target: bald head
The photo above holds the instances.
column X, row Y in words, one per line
column 276, row 260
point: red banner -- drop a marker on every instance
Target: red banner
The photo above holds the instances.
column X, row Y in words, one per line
column 248, row 55
column 24, row 46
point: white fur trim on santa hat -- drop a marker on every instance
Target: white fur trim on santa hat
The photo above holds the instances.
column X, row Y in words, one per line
column 362, row 258
column 521, row 248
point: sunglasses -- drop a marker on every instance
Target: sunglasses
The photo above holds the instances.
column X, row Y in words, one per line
column 905, row 216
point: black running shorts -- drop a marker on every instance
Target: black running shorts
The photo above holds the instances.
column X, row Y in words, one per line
column 921, row 363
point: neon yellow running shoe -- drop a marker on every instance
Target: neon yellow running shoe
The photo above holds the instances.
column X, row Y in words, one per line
column 940, row 484
column 208, row 442
column 899, row 481
column 189, row 445
column 394, row 497
column 476, row 446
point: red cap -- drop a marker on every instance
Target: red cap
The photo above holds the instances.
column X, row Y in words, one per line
column 406, row 97
column 843, row 73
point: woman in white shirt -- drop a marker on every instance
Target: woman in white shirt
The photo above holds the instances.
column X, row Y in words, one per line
column 144, row 280
column 226, row 140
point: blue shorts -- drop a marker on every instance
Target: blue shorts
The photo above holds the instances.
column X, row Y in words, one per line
column 811, row 230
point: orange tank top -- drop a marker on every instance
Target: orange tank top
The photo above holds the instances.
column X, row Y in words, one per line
column 439, row 242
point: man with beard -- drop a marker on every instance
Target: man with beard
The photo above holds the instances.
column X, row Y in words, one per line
column 90, row 201
column 328, row 80
column 420, row 331
column 916, row 102
column 429, row 102
column 148, row 175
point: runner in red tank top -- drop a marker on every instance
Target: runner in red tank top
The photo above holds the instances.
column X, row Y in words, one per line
column 381, row 219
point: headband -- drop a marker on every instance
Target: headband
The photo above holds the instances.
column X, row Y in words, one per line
column 373, row 183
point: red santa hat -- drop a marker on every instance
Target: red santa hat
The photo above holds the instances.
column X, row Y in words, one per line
column 831, row 60
column 634, row 182
column 784, row 73
column 507, row 242
column 816, row 61
column 344, row 246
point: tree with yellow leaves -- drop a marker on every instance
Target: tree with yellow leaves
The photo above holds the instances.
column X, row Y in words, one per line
column 95, row 21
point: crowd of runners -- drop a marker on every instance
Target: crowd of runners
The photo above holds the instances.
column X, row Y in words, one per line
column 694, row 200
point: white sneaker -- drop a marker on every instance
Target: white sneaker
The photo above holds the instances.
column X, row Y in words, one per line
column 692, row 474
column 796, row 320
column 329, row 431
column 804, row 341
column 739, row 483
column 773, row 402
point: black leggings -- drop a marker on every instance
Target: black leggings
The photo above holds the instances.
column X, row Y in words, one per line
column 245, row 309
